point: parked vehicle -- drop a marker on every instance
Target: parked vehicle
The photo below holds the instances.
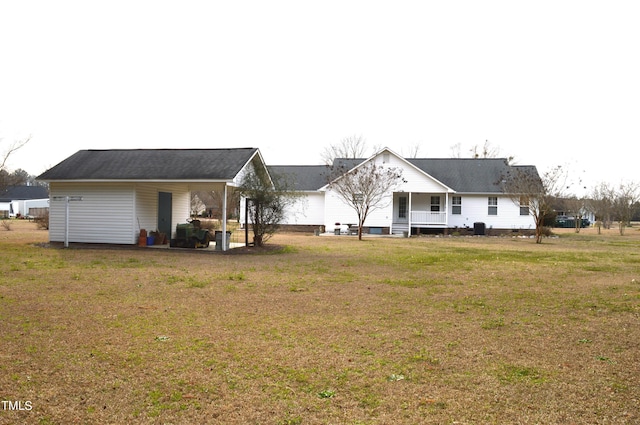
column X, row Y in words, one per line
column 564, row 221
column 191, row 235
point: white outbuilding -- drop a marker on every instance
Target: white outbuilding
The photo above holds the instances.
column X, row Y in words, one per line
column 108, row 196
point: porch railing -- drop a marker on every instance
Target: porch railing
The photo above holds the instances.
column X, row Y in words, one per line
column 428, row 217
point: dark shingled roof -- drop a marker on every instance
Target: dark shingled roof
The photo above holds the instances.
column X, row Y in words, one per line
column 21, row 193
column 151, row 164
column 466, row 175
column 302, row 177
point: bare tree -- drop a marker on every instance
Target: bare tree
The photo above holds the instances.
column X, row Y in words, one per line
column 537, row 193
column 213, row 203
column 484, row 151
column 12, row 148
column 456, row 150
column 197, row 205
column 577, row 207
column 477, row 151
column 412, row 152
column 366, row 188
column 610, row 203
column 601, row 203
column 349, row 147
column 624, row 204
column 233, row 202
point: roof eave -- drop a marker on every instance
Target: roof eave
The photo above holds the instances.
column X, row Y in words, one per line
column 138, row 181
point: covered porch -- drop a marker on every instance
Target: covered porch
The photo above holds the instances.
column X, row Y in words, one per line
column 419, row 210
column 224, row 192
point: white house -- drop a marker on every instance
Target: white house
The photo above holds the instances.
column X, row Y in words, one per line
column 308, row 212
column 437, row 195
column 108, row 196
column 23, row 201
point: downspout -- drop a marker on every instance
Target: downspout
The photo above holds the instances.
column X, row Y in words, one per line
column 66, row 222
column 446, row 210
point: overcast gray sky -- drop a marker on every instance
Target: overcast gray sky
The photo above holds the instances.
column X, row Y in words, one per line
column 549, row 82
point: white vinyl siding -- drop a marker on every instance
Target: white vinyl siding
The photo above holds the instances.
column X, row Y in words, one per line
column 475, row 210
column 307, row 210
column 112, row 212
column 337, row 211
column 106, row 213
column 146, row 207
column 147, row 204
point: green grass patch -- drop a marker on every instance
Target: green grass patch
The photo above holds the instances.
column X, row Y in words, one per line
column 387, row 330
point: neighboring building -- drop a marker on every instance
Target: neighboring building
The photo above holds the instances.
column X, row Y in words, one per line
column 24, row 201
column 113, row 194
column 439, row 195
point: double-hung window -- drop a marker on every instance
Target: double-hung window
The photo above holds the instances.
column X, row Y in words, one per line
column 524, row 205
column 493, row 205
column 456, row 205
column 435, row 204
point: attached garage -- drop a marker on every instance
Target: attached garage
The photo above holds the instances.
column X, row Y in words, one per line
column 107, row 196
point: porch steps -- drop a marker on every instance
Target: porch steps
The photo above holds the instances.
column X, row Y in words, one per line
column 398, row 229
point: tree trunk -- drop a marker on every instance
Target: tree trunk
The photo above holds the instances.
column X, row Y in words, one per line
column 539, row 228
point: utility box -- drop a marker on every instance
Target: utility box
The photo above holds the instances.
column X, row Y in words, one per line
column 479, row 229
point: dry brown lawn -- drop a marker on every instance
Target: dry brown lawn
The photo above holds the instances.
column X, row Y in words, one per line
column 323, row 330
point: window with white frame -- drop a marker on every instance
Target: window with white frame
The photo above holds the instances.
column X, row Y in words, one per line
column 435, row 204
column 456, row 205
column 493, row 205
column 524, row 205
column 402, row 207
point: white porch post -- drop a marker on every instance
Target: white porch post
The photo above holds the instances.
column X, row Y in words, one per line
column 446, row 209
column 224, row 218
column 409, row 215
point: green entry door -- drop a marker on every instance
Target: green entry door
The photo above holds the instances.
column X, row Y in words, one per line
column 164, row 213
